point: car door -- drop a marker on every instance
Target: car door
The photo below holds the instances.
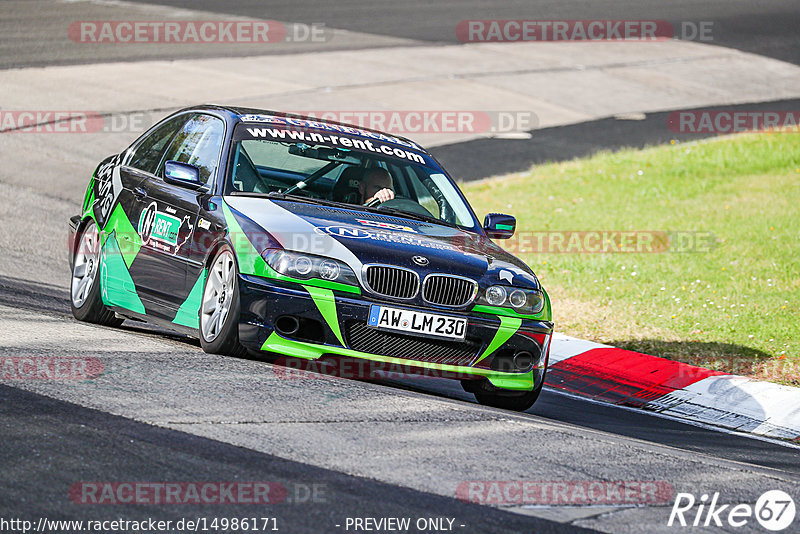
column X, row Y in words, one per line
column 166, row 216
column 117, row 181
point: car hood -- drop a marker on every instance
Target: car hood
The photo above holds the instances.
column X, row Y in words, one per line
column 361, row 237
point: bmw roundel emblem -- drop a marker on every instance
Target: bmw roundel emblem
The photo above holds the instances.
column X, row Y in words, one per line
column 422, row 261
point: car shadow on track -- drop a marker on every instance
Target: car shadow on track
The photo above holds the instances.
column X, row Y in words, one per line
column 34, row 296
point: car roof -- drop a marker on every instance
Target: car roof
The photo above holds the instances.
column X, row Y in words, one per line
column 236, row 113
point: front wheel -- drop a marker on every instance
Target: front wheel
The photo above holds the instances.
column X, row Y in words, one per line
column 518, row 401
column 219, row 310
column 86, row 301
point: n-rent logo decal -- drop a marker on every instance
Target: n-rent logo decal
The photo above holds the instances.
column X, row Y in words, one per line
column 162, row 230
column 159, row 226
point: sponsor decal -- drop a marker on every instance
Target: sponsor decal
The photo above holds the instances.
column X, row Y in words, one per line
column 204, row 224
column 106, row 190
column 158, row 226
column 386, row 226
column 387, row 237
column 162, row 230
column 349, row 143
column 290, row 122
column 346, row 231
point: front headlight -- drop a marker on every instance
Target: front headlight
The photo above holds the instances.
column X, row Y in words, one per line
column 524, row 301
column 305, row 266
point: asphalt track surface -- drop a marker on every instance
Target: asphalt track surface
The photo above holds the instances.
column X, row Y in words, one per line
column 201, row 405
column 165, row 411
column 107, row 447
column 767, row 28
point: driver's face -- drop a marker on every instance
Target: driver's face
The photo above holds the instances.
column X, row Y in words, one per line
column 373, row 184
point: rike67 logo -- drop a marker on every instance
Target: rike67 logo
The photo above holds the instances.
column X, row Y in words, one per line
column 774, row 510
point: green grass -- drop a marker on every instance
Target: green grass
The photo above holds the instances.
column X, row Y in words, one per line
column 732, row 308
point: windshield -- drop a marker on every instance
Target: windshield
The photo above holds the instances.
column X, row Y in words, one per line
column 344, row 170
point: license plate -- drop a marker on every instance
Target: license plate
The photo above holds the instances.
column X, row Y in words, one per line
column 415, row 322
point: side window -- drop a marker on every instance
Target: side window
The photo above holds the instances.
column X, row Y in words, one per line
column 147, row 155
column 199, row 143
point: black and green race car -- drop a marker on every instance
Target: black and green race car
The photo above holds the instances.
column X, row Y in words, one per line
column 261, row 231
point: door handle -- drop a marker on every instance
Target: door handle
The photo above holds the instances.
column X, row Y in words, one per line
column 139, row 192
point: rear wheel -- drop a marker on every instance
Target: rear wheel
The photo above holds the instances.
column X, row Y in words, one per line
column 219, row 310
column 87, row 303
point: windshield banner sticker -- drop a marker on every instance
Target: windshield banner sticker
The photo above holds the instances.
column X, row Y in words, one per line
column 291, row 122
column 350, row 143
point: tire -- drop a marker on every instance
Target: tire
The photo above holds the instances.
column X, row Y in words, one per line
column 506, row 400
column 85, row 299
column 219, row 309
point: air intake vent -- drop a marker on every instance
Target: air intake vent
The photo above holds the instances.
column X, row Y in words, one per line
column 447, row 290
column 363, row 338
column 392, row 281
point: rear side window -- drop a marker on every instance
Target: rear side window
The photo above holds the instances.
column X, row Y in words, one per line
column 199, row 143
column 147, row 154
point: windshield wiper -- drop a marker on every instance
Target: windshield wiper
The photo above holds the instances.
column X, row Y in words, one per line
column 414, row 216
column 307, row 200
column 285, row 196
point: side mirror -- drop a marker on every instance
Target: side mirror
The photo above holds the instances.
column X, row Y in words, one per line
column 499, row 226
column 182, row 175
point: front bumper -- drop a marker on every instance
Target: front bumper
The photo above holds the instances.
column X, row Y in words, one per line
column 330, row 317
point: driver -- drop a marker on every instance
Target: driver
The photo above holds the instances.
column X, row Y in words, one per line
column 376, row 185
